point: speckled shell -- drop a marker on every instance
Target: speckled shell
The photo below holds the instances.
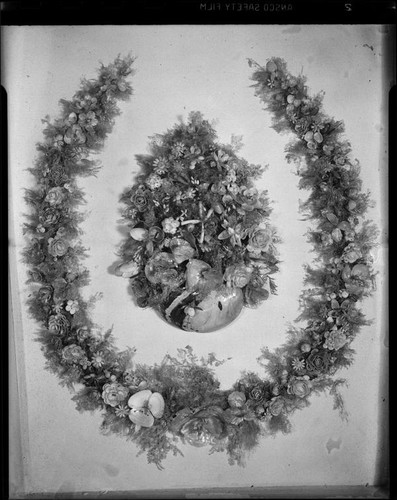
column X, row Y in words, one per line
column 156, row 405
column 141, row 417
column 219, row 308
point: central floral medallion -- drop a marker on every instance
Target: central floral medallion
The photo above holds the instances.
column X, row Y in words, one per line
column 200, row 244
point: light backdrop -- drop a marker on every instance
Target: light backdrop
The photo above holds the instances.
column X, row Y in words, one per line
column 179, row 69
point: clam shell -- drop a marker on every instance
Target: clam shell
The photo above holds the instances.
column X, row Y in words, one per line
column 139, row 399
column 156, row 405
column 141, row 417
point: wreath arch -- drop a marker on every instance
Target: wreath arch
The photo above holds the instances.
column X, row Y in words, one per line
column 180, row 398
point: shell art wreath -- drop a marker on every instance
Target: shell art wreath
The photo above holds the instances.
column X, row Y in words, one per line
column 180, row 253
column 200, row 246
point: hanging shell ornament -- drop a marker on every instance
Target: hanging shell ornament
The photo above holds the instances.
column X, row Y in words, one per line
column 145, row 407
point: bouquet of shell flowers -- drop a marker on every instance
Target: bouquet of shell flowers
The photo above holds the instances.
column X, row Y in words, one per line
column 200, row 244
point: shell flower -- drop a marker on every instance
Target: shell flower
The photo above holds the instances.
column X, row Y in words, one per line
column 74, row 134
column 88, row 120
column 170, row 225
column 153, row 181
column 298, row 365
column 145, row 407
column 236, row 399
column 98, row 359
column 236, row 416
column 114, row 393
column 195, row 157
column 220, row 158
column 236, row 233
column 55, row 196
column 122, row 411
column 72, row 306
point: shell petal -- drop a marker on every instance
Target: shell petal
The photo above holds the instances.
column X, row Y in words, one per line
column 141, row 417
column 139, row 399
column 127, row 270
column 139, row 233
column 156, row 405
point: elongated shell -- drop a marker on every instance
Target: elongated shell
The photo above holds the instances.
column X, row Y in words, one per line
column 156, row 405
column 128, row 269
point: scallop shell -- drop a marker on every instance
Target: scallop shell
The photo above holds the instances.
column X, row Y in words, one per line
column 141, row 417
column 156, row 405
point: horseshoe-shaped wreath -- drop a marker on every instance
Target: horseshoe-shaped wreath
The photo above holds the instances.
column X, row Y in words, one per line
column 179, row 398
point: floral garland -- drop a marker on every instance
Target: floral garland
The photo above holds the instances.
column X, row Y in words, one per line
column 180, row 398
column 200, row 245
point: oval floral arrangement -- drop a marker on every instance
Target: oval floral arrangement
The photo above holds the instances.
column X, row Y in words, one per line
column 201, row 246
column 195, row 242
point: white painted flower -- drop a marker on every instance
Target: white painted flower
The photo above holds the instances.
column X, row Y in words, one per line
column 153, row 181
column 72, row 306
column 170, row 225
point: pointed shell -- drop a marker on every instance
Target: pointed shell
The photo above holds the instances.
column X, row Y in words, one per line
column 139, row 399
column 156, row 405
column 141, row 417
column 139, row 233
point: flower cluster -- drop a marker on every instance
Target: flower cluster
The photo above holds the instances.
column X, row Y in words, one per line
column 197, row 200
